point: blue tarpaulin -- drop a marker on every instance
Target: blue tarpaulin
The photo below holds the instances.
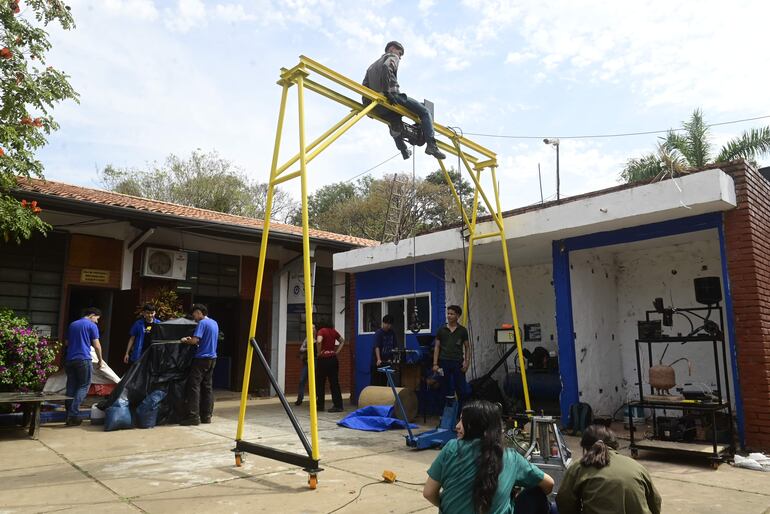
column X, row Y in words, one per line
column 373, row 418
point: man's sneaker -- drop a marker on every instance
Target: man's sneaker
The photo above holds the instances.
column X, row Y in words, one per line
column 298, row 402
column 190, row 421
column 406, row 153
column 335, row 409
column 431, row 148
column 73, row 421
column 206, row 420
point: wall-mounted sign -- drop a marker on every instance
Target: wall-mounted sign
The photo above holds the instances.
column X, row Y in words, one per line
column 532, row 332
column 95, row 276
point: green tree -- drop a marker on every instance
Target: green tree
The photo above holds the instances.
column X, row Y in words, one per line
column 690, row 148
column 204, row 180
column 28, row 92
column 389, row 208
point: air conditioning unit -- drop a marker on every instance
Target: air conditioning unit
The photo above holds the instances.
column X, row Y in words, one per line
column 161, row 263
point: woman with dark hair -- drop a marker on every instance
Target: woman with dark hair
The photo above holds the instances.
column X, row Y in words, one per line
column 605, row 481
column 475, row 473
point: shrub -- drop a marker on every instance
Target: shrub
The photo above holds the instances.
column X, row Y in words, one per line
column 26, row 357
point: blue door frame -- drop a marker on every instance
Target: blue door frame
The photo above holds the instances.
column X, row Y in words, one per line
column 565, row 327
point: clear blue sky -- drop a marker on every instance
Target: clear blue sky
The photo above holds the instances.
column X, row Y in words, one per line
column 161, row 77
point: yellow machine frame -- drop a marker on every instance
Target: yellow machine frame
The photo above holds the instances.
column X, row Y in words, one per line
column 475, row 158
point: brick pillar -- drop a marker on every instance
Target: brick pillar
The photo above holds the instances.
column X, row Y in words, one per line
column 747, row 239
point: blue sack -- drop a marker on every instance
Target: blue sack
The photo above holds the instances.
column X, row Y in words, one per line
column 118, row 416
column 147, row 412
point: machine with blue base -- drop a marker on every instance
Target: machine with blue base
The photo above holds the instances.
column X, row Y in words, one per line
column 435, row 438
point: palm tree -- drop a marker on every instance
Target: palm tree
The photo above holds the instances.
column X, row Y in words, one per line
column 689, row 148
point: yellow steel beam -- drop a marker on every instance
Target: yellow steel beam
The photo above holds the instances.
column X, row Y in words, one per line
column 458, row 201
column 364, row 91
column 512, row 301
column 480, row 190
column 353, row 104
column 474, row 215
column 316, row 141
column 260, row 268
column 484, row 236
column 306, row 270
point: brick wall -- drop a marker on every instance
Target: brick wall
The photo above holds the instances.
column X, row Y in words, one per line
column 747, row 238
column 346, row 357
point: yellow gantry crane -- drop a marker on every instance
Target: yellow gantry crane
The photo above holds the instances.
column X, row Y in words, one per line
column 476, row 160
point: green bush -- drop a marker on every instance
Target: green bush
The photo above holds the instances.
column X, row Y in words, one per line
column 26, row 357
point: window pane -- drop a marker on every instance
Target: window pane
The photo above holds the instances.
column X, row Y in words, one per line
column 423, row 312
column 372, row 315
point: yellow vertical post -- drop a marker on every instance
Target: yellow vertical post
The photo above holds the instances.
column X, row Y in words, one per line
column 511, row 296
column 472, row 231
column 306, row 268
column 261, row 267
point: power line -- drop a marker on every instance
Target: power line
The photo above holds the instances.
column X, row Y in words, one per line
column 373, row 167
column 622, row 134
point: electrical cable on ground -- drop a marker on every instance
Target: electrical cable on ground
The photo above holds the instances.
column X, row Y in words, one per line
column 622, row 134
column 385, row 481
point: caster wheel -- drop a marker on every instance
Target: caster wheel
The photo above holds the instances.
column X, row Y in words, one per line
column 312, row 481
column 715, row 464
column 238, row 460
column 634, row 454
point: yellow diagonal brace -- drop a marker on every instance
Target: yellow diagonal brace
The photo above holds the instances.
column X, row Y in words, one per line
column 512, row 299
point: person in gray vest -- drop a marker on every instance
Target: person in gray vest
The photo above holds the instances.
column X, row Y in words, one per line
column 382, row 76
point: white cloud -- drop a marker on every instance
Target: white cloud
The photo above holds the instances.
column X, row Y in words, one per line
column 140, row 9
column 518, row 57
column 187, row 15
column 233, row 13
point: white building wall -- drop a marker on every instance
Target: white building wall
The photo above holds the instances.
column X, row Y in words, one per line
column 489, row 308
column 668, row 273
column 593, row 278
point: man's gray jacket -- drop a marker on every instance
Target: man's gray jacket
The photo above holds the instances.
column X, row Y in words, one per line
column 382, row 75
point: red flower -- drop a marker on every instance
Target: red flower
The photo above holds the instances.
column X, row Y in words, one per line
column 6, row 53
column 2, row 152
column 37, row 122
column 24, row 203
column 26, row 120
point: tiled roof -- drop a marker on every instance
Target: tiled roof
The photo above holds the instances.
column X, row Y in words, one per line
column 97, row 196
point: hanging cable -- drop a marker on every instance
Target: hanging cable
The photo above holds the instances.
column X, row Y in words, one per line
column 622, row 134
column 415, row 325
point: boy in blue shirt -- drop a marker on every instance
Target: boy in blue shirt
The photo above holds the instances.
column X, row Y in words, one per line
column 81, row 335
column 199, row 391
column 139, row 330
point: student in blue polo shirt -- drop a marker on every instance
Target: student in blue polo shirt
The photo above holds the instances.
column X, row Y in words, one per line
column 199, row 391
column 139, row 330
column 81, row 335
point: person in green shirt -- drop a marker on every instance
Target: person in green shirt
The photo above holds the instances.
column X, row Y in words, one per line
column 606, row 482
column 475, row 473
column 452, row 354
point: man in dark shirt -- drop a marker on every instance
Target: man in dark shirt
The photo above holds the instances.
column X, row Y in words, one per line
column 382, row 76
column 452, row 354
column 199, row 391
column 81, row 336
column 385, row 344
column 139, row 331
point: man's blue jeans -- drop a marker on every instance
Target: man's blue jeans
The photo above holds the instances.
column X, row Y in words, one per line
column 426, row 122
column 78, row 381
column 454, row 379
column 302, row 383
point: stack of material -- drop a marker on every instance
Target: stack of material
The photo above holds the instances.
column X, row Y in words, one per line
column 381, row 395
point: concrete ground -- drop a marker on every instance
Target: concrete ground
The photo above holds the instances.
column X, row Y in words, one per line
column 191, row 469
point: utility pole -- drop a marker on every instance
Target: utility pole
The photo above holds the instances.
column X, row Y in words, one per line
column 555, row 142
column 540, row 180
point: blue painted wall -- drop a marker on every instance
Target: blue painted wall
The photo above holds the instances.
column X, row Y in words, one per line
column 396, row 281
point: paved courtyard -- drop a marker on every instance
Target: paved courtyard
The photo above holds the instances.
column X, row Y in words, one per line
column 191, row 469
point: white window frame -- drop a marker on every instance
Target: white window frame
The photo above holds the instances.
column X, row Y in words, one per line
column 383, row 300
